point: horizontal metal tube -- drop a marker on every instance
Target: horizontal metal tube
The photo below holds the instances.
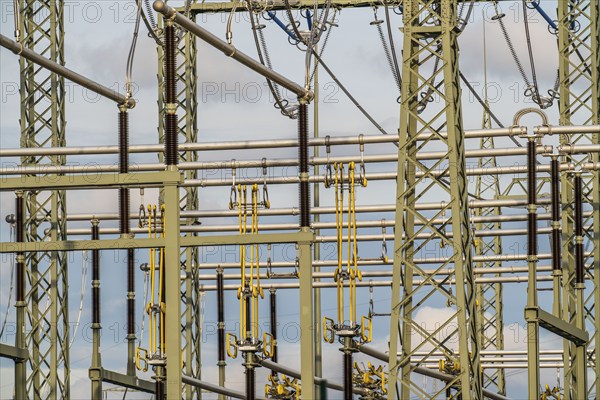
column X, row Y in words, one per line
column 381, row 176
column 375, row 208
column 330, row 275
column 566, row 129
column 58, row 69
column 231, row 51
column 228, row 165
column 387, row 223
column 418, row 260
column 240, row 145
column 380, row 283
column 330, row 239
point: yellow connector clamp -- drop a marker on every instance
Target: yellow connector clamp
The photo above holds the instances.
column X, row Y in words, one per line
column 269, row 343
column 141, row 359
column 328, row 332
column 231, row 341
column 366, row 329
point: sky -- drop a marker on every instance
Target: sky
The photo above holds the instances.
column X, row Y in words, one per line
column 234, row 104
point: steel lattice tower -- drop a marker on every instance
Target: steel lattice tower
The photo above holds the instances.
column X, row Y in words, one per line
column 429, row 33
column 489, row 295
column 579, row 61
column 43, row 125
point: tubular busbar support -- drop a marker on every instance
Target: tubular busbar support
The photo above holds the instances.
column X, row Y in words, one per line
column 221, row 329
column 581, row 357
column 95, row 372
column 533, row 350
column 556, row 234
column 20, row 338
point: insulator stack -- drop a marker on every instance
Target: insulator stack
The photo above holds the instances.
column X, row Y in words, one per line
column 171, row 130
column 273, row 300
column 578, row 200
column 221, row 315
column 20, row 236
column 95, row 276
column 303, row 160
column 531, row 199
column 555, row 203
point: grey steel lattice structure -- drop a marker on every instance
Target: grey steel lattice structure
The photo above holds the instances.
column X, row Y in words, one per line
column 430, row 165
column 429, row 33
column 579, row 62
column 43, row 125
column 489, row 296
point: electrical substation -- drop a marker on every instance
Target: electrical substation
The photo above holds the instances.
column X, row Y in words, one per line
column 300, row 199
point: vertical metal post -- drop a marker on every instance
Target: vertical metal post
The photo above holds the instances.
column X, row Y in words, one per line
column 96, row 367
column 429, row 32
column 172, row 289
column 221, row 363
column 20, row 342
column 533, row 349
column 317, row 218
column 307, row 360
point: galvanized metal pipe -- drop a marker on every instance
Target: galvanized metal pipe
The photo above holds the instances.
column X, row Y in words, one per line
column 61, row 70
column 376, row 208
column 229, row 50
column 242, row 144
column 388, row 283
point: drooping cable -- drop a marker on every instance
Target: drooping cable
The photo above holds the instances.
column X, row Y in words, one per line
column 84, row 271
column 350, row 97
column 131, row 55
column 392, row 46
column 386, row 49
column 536, row 89
column 499, row 17
column 280, row 103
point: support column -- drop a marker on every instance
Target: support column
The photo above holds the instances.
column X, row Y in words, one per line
column 20, row 304
column 307, row 359
column 429, row 33
column 172, row 288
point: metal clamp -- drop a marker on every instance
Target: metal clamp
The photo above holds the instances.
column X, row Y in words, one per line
column 328, row 330
column 141, row 359
column 366, row 329
column 231, row 342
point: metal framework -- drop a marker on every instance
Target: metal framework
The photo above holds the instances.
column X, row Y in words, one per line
column 43, row 125
column 429, row 34
column 579, row 45
column 448, row 254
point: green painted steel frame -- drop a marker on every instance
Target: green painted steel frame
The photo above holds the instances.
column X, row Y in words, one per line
column 429, row 32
